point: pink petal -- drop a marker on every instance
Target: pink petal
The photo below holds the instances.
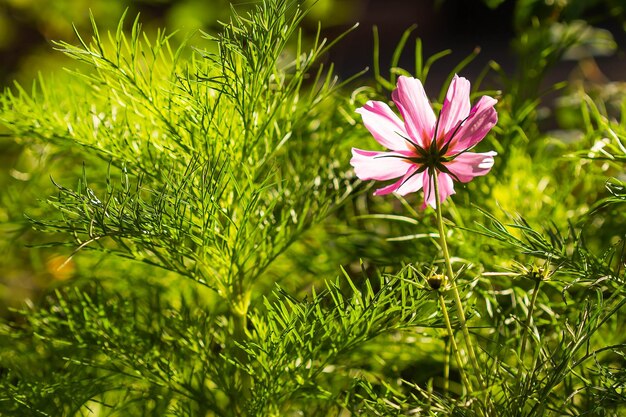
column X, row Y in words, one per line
column 410, row 184
column 482, row 118
column 402, row 183
column 388, row 189
column 384, row 125
column 446, row 188
column 419, row 118
column 381, row 166
column 469, row 165
column 456, row 107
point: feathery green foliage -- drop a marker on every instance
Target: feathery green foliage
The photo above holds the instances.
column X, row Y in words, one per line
column 207, row 205
column 208, row 148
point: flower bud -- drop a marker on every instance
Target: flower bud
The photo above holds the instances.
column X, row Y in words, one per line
column 536, row 273
column 436, row 281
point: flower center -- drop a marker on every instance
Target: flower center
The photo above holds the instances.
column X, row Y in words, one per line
column 431, row 158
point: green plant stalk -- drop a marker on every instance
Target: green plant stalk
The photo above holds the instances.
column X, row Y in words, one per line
column 455, row 291
column 446, row 364
column 239, row 312
column 240, row 302
column 455, row 348
column 529, row 320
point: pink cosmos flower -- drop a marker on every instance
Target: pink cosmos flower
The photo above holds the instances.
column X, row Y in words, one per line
column 423, row 144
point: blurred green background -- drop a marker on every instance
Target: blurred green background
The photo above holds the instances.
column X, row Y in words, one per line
column 504, row 31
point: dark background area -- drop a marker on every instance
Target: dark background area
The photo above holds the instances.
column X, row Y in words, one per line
column 462, row 26
column 457, row 25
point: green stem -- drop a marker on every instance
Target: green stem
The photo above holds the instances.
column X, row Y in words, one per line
column 446, row 363
column 239, row 310
column 529, row 319
column 240, row 322
column 453, row 287
column 455, row 348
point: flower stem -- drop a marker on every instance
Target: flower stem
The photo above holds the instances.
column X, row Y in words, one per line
column 529, row 319
column 455, row 348
column 446, row 363
column 451, row 277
